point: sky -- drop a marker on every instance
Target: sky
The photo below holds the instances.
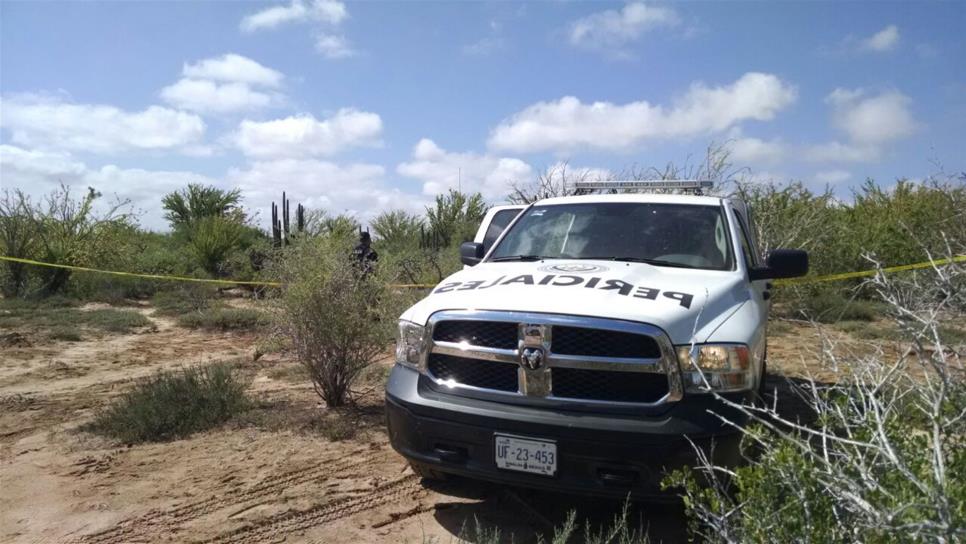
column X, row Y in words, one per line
column 364, row 107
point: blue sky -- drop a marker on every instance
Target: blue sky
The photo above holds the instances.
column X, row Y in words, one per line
column 362, row 107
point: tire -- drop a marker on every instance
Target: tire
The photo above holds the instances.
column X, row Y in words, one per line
column 427, row 473
column 762, row 390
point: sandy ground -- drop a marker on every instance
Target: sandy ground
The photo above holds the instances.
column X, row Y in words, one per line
column 274, row 476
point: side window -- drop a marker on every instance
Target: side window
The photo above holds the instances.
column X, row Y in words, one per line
column 747, row 249
column 497, row 225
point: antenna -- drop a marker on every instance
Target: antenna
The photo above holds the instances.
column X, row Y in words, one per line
column 459, row 174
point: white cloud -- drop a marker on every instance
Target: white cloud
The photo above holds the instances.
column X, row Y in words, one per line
column 568, row 123
column 612, row 29
column 304, row 135
column 18, row 163
column 872, row 119
column 52, row 124
column 224, row 84
column 884, row 40
column 842, row 152
column 333, row 46
column 205, row 96
column 356, row 189
column 38, row 172
column 324, row 11
column 832, row 177
column 441, row 170
column 747, row 151
column 233, row 68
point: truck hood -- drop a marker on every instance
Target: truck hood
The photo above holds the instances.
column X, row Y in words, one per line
column 682, row 302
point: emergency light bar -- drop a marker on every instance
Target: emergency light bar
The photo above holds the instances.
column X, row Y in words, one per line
column 658, row 184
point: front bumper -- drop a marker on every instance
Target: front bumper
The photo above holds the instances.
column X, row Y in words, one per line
column 609, row 455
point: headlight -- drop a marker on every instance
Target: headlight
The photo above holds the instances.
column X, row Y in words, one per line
column 725, row 368
column 410, row 345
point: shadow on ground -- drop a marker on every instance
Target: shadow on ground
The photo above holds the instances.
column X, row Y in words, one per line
column 525, row 515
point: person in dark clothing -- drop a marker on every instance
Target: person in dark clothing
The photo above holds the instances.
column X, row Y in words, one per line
column 364, row 254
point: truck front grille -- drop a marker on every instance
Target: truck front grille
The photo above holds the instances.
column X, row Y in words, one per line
column 577, row 359
column 577, row 383
column 603, row 343
column 487, row 334
column 474, row 372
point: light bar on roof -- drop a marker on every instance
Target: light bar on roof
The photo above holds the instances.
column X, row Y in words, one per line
column 684, row 184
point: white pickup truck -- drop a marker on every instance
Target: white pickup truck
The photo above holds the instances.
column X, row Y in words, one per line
column 578, row 348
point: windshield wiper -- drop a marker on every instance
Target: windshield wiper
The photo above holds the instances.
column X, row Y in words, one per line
column 517, row 258
column 653, row 262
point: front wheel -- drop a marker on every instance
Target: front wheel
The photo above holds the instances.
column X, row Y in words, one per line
column 762, row 390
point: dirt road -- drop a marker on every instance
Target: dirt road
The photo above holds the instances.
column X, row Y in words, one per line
column 278, row 474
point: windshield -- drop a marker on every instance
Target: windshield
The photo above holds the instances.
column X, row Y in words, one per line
column 682, row 235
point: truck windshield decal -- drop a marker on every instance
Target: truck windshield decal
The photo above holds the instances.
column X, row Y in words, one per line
column 620, row 287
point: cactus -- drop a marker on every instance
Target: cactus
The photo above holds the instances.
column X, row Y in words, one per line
column 282, row 234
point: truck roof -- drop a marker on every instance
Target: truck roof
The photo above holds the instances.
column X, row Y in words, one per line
column 635, row 197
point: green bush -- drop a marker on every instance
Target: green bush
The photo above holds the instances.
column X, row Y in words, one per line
column 828, row 304
column 874, row 455
column 224, row 319
column 337, row 320
column 112, row 320
column 172, row 405
column 65, row 334
column 58, row 314
column 183, row 299
column 621, row 530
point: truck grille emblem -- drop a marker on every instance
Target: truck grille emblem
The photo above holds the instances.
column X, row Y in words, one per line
column 531, row 358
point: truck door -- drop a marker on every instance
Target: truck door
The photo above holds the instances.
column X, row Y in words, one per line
column 496, row 220
column 760, row 290
column 494, row 223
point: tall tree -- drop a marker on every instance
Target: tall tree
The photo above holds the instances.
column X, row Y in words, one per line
column 194, row 202
column 456, row 216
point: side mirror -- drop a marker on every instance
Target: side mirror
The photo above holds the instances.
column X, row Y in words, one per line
column 782, row 263
column 471, row 253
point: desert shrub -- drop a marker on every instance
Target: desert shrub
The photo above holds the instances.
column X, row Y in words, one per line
column 64, row 334
column 897, row 225
column 174, row 404
column 18, row 238
column 139, row 252
column 828, row 303
column 58, row 314
column 59, row 229
column 337, row 319
column 112, row 320
column 213, row 229
column 339, row 427
column 397, row 230
column 882, row 459
column 183, row 298
column 789, row 216
column 455, row 217
column 225, row 319
column 621, row 530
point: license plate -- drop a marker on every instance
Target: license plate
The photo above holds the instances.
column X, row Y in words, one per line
column 526, row 454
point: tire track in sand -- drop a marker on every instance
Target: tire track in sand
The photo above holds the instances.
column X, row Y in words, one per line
column 274, row 528
column 141, row 525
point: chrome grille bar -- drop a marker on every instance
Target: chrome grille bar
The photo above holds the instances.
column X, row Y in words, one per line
column 537, row 384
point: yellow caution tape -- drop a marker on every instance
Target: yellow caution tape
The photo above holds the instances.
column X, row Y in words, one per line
column 866, row 273
column 134, row 275
column 179, row 278
column 795, row 281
